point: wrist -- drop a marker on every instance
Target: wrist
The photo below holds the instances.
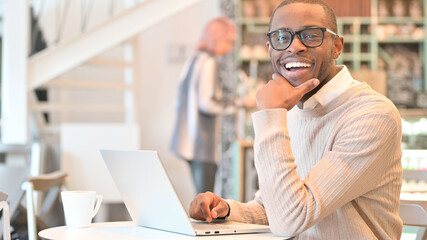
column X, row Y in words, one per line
column 228, row 213
column 229, row 210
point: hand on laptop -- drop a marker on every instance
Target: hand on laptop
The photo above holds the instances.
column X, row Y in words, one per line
column 208, row 206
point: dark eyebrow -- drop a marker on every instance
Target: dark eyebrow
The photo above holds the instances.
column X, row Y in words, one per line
column 309, row 26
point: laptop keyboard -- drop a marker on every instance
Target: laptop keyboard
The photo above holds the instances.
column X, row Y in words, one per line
column 209, row 226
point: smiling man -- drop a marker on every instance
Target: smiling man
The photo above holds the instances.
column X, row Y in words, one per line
column 327, row 147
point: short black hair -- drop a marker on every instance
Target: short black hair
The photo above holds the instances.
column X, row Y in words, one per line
column 330, row 15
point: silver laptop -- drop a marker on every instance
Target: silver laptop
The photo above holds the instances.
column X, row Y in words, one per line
column 152, row 201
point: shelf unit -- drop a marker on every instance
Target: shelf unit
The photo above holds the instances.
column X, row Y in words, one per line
column 413, row 113
column 355, row 40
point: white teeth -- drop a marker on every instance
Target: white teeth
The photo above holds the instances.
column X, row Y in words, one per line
column 297, row 64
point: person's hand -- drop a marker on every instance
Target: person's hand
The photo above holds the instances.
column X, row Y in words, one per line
column 208, row 206
column 249, row 101
column 279, row 93
column 229, row 110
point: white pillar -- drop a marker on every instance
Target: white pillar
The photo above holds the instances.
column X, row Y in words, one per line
column 14, row 113
column 129, row 78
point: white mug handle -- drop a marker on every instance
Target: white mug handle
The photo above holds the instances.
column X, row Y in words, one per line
column 97, row 205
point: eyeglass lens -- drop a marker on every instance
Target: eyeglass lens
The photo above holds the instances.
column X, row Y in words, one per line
column 311, row 37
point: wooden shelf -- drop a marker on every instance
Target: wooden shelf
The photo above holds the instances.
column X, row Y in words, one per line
column 350, row 57
column 399, row 20
column 400, row 40
column 350, row 38
column 351, row 20
column 255, row 21
column 412, row 113
column 418, row 175
column 245, row 143
column 266, row 59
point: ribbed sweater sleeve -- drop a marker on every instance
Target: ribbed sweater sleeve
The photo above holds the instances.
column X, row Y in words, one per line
column 342, row 167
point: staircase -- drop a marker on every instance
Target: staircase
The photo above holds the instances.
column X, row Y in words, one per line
column 107, row 54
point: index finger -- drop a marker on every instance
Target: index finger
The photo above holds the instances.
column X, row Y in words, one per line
column 204, row 206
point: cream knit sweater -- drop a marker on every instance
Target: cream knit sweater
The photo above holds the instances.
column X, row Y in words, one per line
column 329, row 173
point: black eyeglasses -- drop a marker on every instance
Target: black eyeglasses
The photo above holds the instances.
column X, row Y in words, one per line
column 312, row 37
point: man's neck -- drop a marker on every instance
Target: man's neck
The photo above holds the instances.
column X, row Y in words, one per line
column 336, row 69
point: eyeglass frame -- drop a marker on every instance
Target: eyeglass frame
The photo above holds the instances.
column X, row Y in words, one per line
column 298, row 33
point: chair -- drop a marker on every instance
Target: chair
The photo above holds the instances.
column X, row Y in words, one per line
column 4, row 208
column 413, row 213
column 11, row 179
column 50, row 184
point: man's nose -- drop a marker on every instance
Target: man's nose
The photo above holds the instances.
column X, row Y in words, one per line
column 296, row 46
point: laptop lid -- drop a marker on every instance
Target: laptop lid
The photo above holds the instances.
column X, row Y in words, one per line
column 147, row 191
column 152, row 201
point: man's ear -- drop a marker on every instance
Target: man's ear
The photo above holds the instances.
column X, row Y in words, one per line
column 268, row 48
column 338, row 46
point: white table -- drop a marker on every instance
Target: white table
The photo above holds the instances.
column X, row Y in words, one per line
column 129, row 231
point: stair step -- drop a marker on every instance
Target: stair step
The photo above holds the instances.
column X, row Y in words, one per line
column 80, row 108
column 110, row 62
column 88, row 84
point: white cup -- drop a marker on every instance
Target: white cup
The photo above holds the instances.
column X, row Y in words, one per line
column 80, row 207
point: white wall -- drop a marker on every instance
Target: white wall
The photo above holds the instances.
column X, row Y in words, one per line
column 160, row 68
column 14, row 114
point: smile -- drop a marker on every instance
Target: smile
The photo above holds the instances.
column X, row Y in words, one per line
column 296, row 65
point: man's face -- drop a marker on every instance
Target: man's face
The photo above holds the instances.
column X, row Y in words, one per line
column 225, row 44
column 317, row 62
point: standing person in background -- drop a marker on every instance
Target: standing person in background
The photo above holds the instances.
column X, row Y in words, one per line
column 327, row 147
column 196, row 136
